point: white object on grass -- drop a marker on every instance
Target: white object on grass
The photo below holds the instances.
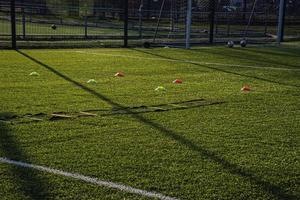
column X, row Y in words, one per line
column 160, row 88
column 230, row 44
column 34, row 74
column 93, row 81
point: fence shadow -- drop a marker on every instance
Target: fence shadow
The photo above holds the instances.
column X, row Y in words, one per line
column 252, row 55
column 232, row 168
column 219, row 69
column 26, row 181
column 282, row 51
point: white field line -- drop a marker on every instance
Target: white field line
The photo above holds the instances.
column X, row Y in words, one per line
column 88, row 179
column 187, row 61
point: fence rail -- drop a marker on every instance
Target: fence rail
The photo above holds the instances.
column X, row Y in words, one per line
column 44, row 24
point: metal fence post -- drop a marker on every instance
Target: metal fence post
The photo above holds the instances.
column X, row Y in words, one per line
column 212, row 20
column 125, row 23
column 188, row 24
column 228, row 23
column 281, row 19
column 85, row 27
column 13, row 24
column 148, row 9
column 23, row 22
column 244, row 9
column 266, row 21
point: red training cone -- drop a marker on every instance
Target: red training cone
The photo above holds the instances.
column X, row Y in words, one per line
column 246, row 88
column 178, row 81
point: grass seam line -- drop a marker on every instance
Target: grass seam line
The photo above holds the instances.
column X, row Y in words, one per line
column 188, row 61
column 88, row 179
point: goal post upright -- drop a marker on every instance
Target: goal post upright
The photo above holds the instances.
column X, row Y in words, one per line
column 188, row 24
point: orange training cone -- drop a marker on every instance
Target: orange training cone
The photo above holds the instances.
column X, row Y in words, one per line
column 119, row 74
column 246, row 88
column 178, row 81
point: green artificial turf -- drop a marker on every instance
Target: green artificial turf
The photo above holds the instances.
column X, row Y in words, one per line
column 245, row 146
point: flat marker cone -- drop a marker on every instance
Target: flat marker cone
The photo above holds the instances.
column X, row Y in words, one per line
column 177, row 81
column 34, row 74
column 119, row 74
column 160, row 88
column 246, row 88
column 93, row 81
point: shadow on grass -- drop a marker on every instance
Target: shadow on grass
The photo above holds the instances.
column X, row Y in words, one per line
column 254, row 55
column 232, row 168
column 26, row 180
column 282, row 51
column 218, row 69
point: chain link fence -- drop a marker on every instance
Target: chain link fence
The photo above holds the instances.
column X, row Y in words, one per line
column 99, row 23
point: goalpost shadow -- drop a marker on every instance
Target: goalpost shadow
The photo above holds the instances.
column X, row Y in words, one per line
column 27, row 181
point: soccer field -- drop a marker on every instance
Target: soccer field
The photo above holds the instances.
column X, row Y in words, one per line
column 65, row 137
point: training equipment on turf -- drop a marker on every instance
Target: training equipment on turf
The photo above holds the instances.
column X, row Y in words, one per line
column 34, row 74
column 86, row 114
column 160, row 88
column 53, row 27
column 243, row 43
column 59, row 116
column 92, row 81
column 246, row 88
column 177, row 81
column 230, row 44
column 119, row 74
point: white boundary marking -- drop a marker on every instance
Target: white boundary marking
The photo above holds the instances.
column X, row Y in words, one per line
column 88, row 179
column 187, row 61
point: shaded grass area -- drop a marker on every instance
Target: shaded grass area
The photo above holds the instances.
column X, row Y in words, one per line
column 28, row 184
column 24, row 183
column 244, row 149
